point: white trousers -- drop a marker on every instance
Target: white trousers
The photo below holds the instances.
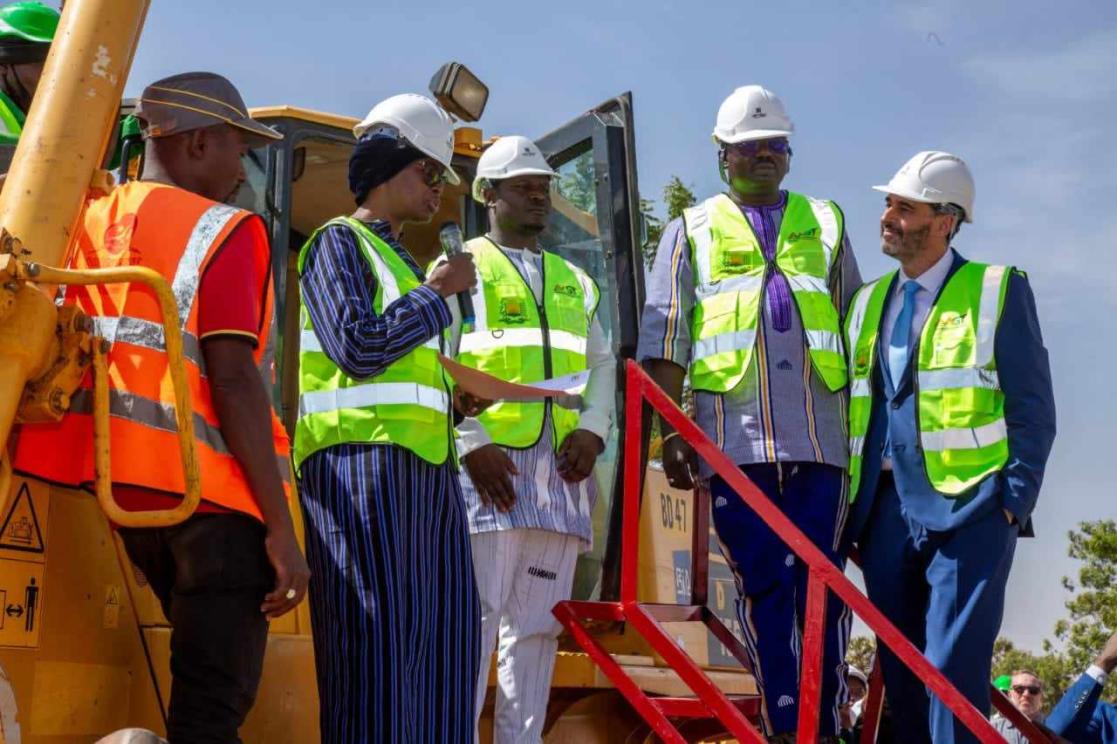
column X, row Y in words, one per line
column 521, row 574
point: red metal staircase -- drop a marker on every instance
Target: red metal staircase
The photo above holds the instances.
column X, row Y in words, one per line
column 736, row 715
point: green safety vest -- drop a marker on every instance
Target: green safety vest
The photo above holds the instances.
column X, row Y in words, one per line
column 408, row 404
column 516, row 339
column 960, row 404
column 729, row 272
column 11, row 121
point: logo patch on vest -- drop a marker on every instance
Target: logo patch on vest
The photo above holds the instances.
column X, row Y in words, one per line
column 811, row 234
column 734, row 260
column 952, row 320
column 512, row 310
column 861, row 361
column 118, row 236
column 566, row 290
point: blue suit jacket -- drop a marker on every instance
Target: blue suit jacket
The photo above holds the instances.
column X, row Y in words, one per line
column 1025, row 378
column 1082, row 717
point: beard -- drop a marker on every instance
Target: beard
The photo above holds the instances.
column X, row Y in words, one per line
column 902, row 243
column 533, row 228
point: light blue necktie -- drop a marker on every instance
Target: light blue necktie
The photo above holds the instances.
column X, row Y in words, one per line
column 899, row 346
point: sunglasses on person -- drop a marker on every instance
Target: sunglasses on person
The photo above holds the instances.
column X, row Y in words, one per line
column 776, row 146
column 1030, row 689
column 433, row 173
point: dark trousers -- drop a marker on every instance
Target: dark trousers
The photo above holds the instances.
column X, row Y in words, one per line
column 945, row 591
column 772, row 584
column 393, row 603
column 211, row 574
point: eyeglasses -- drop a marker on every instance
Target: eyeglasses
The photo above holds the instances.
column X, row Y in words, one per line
column 1030, row 689
column 433, row 173
column 776, row 146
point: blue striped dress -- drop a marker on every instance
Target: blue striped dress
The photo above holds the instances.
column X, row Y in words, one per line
column 394, row 608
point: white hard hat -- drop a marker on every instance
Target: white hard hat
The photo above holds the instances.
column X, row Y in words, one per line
column 420, row 121
column 934, row 177
column 852, row 671
column 506, row 158
column 751, row 113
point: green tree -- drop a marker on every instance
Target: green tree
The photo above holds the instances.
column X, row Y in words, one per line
column 1093, row 604
column 677, row 196
column 577, row 182
column 861, row 651
column 1092, row 609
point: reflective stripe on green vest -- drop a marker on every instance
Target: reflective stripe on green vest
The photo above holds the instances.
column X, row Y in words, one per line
column 513, row 340
column 407, row 404
column 729, row 271
column 11, row 121
column 960, row 403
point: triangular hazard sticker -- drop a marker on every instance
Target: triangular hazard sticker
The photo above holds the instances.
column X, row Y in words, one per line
column 20, row 530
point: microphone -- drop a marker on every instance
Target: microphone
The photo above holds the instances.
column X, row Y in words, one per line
column 450, row 235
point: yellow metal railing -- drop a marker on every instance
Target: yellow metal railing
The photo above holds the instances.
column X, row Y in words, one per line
column 184, row 409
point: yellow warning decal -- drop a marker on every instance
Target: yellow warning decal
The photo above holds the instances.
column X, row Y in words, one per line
column 23, row 533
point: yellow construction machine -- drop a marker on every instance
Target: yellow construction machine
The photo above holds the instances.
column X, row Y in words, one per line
column 83, row 643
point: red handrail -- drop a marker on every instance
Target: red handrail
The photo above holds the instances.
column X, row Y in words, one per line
column 823, row 575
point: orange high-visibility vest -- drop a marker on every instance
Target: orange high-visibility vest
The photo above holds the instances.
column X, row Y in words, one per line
column 176, row 233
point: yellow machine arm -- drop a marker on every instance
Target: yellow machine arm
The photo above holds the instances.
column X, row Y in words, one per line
column 44, row 351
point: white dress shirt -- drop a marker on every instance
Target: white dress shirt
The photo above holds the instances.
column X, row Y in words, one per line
column 930, row 281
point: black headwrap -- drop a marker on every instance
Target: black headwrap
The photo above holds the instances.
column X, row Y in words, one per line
column 379, row 155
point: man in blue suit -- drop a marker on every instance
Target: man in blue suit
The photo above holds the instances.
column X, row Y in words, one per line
column 1081, row 717
column 951, row 421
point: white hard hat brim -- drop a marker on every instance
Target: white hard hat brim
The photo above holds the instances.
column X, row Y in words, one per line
column 451, row 175
column 906, row 194
column 753, row 134
column 479, row 182
column 360, row 129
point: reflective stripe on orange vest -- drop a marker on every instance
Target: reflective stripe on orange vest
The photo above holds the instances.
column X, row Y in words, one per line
column 175, row 233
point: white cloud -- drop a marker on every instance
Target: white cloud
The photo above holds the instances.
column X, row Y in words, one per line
column 1080, row 71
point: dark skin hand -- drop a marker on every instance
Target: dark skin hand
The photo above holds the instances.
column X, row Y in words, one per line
column 244, row 414
column 680, row 463
column 469, row 405
column 577, row 455
column 491, row 470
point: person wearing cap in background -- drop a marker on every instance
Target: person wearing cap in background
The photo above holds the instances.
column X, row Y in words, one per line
column 951, row 420
column 747, row 293
column 1003, row 683
column 528, row 482
column 26, row 31
column 394, row 604
column 236, row 562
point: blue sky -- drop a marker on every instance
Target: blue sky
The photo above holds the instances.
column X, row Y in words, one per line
column 1026, row 93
